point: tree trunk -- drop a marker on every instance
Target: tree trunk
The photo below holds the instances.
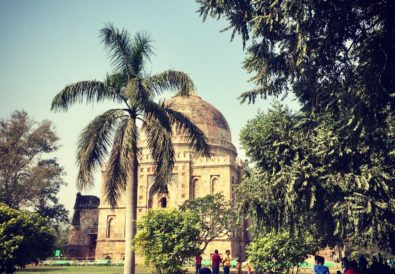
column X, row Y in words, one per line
column 131, row 214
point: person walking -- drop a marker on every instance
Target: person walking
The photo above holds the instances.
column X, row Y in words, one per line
column 215, row 261
column 226, row 262
column 198, row 263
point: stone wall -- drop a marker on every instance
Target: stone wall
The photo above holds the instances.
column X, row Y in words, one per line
column 83, row 234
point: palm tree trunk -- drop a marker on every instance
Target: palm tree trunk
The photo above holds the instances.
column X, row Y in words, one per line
column 131, row 214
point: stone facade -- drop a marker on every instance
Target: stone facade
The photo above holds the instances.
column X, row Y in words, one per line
column 193, row 176
column 83, row 234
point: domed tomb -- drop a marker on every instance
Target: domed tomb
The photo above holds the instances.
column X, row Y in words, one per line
column 209, row 119
column 193, row 176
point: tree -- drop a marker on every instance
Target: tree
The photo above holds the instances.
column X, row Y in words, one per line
column 62, row 238
column 216, row 219
column 27, row 179
column 337, row 57
column 332, row 55
column 132, row 86
column 279, row 252
column 24, row 238
column 167, row 237
column 308, row 178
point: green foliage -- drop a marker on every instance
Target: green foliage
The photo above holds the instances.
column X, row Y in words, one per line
column 167, row 237
column 215, row 215
column 62, row 237
column 336, row 159
column 308, row 177
column 280, row 252
column 336, row 55
column 27, row 179
column 24, row 238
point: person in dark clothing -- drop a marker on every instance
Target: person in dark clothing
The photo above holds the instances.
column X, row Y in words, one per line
column 198, row 263
column 215, row 261
column 376, row 267
column 363, row 264
column 380, row 259
column 344, row 263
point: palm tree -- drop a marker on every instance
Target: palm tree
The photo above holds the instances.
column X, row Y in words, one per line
column 112, row 137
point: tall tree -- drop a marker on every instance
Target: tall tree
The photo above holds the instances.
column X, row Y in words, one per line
column 132, row 86
column 28, row 176
column 322, row 51
column 307, row 178
column 338, row 58
column 210, row 227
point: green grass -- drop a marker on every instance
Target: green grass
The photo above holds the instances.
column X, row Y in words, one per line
column 104, row 270
column 80, row 269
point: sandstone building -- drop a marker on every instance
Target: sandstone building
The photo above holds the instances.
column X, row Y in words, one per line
column 193, row 176
column 83, row 235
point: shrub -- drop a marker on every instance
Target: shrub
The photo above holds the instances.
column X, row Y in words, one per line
column 24, row 238
column 279, row 252
column 166, row 237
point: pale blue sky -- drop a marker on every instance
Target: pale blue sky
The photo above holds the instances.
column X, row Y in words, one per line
column 46, row 44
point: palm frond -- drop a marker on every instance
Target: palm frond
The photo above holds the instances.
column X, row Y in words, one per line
column 117, row 81
column 156, row 112
column 141, row 51
column 172, row 80
column 159, row 140
column 94, row 144
column 119, row 165
column 196, row 138
column 138, row 91
column 90, row 91
column 119, row 46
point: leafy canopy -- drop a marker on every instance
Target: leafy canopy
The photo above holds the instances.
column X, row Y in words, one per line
column 279, row 252
column 308, row 178
column 29, row 177
column 215, row 215
column 167, row 237
column 24, row 238
column 337, row 57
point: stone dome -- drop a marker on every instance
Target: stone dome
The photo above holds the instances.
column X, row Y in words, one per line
column 208, row 118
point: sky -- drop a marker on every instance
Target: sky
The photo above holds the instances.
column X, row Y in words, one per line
column 47, row 44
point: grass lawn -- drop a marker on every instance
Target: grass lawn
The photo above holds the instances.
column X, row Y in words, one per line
column 103, row 270
column 80, row 269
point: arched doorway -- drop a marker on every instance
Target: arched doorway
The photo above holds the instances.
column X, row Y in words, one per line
column 163, row 202
column 157, row 200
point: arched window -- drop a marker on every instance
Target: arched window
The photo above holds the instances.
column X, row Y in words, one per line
column 110, row 227
column 215, row 187
column 195, row 188
column 163, row 202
